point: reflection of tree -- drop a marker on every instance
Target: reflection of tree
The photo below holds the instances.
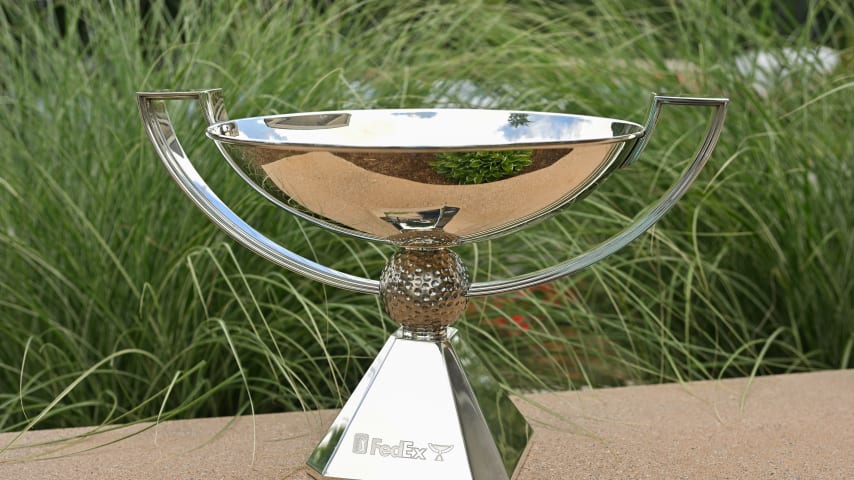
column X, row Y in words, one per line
column 468, row 168
column 517, row 120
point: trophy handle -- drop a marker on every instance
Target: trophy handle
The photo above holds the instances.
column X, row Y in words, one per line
column 641, row 225
column 152, row 108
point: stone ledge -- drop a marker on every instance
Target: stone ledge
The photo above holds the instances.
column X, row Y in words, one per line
column 787, row 426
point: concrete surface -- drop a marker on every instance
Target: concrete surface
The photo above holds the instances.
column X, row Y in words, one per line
column 781, row 427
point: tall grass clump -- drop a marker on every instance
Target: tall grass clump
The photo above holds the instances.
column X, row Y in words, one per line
column 120, row 302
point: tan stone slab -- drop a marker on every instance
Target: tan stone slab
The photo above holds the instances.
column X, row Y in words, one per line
column 781, row 427
column 211, row 448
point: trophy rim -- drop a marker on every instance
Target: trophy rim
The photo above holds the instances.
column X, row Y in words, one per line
column 219, row 133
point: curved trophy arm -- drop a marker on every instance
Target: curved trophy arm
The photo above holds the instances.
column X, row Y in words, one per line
column 641, row 225
column 152, row 108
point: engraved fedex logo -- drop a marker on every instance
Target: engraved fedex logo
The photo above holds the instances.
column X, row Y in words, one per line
column 363, row 444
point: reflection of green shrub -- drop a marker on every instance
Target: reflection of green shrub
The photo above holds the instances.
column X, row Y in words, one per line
column 480, row 167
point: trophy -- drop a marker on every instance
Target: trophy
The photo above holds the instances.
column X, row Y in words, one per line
column 423, row 180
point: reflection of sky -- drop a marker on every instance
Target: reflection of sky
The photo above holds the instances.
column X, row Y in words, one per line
column 437, row 128
column 414, row 114
column 541, row 127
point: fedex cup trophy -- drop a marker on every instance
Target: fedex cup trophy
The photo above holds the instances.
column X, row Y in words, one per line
column 366, row 173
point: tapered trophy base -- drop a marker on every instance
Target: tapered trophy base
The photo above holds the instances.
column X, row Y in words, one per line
column 415, row 415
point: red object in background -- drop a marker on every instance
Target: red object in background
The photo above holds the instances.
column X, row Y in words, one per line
column 521, row 322
column 545, row 292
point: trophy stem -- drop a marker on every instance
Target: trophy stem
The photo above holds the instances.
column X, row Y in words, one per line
column 431, row 335
column 424, row 290
column 415, row 414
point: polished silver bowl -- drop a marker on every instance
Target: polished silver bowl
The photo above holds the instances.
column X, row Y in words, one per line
column 371, row 173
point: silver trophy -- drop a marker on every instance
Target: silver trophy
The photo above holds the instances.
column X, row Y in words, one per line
column 425, row 409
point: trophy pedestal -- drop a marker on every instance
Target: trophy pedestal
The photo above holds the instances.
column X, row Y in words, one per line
column 416, row 415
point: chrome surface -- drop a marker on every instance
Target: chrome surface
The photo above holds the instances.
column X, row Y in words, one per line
column 424, row 425
column 158, row 126
column 639, row 226
column 508, row 427
column 418, row 130
column 370, row 173
column 424, row 290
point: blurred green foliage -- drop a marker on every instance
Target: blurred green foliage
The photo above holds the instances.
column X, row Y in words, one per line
column 120, row 302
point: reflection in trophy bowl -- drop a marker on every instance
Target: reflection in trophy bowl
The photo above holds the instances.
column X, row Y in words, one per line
column 469, row 174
